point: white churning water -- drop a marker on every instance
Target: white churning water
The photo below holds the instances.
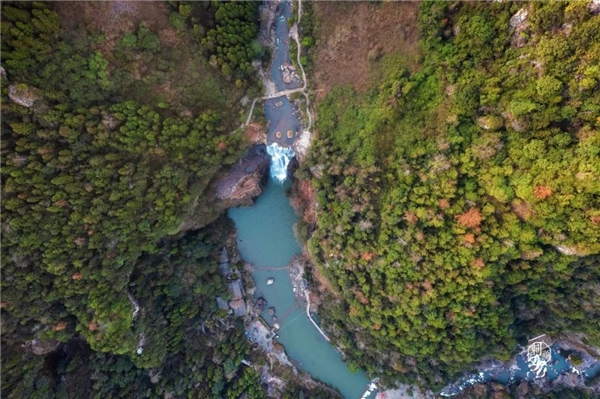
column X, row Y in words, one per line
column 280, row 159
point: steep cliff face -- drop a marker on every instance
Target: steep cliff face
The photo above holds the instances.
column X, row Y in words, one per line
column 239, row 186
column 246, row 179
column 255, row 133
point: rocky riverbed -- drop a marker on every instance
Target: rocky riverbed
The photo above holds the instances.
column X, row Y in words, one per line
column 581, row 359
column 296, row 272
column 258, row 333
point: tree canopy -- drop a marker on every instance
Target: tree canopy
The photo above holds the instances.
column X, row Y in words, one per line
column 110, row 232
column 459, row 205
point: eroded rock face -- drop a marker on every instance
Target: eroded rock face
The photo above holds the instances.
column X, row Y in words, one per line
column 570, row 250
column 570, row 380
column 301, row 145
column 255, row 133
column 595, row 7
column 24, row 95
column 518, row 22
column 41, row 348
column 246, row 179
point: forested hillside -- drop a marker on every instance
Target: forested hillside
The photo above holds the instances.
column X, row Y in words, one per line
column 111, row 139
column 459, row 205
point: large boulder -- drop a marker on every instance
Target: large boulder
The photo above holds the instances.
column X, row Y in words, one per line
column 246, row 179
column 518, row 20
column 572, row 250
column 518, row 23
column 24, row 95
column 594, row 7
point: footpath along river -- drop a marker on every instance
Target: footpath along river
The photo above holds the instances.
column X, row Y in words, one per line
column 266, row 238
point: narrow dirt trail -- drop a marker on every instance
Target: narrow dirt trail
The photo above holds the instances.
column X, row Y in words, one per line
column 293, row 35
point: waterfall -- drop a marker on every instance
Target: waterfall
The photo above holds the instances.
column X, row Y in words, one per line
column 280, row 159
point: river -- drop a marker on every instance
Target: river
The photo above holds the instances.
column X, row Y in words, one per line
column 266, row 238
column 526, row 368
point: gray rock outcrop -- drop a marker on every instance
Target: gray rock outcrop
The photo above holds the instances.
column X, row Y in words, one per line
column 246, row 178
column 24, row 95
column 40, row 348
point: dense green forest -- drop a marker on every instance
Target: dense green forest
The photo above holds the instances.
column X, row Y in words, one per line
column 109, row 228
column 459, row 206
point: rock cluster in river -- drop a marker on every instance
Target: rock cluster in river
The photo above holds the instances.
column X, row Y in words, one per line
column 289, row 73
column 296, row 272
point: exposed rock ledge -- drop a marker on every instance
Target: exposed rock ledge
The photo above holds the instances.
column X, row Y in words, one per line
column 24, row 95
column 571, row 251
column 246, row 178
column 41, row 348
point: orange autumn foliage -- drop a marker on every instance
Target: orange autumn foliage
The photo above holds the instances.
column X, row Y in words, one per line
column 360, row 296
column 410, row 217
column 478, row 263
column 367, row 256
column 444, row 203
column 469, row 238
column 542, row 192
column 61, row 203
column 77, row 276
column 60, row 326
column 472, row 218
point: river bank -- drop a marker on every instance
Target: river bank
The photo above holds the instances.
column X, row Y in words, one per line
column 266, row 238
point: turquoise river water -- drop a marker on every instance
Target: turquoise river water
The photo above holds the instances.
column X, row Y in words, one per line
column 266, row 239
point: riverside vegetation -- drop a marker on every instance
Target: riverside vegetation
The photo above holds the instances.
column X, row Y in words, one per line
column 107, row 147
column 459, row 206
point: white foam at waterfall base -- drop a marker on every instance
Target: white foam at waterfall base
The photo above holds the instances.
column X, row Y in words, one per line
column 280, row 159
